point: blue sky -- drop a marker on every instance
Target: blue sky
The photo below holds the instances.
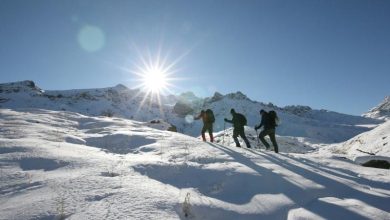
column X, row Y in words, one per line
column 330, row 54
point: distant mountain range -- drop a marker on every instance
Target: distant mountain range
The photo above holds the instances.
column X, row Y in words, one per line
column 298, row 121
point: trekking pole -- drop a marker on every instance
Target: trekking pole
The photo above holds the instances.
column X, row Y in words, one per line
column 223, row 138
column 257, row 137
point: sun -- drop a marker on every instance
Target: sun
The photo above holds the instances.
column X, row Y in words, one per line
column 154, row 79
column 153, row 76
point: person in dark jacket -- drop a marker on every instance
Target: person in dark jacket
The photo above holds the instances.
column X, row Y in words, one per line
column 207, row 125
column 269, row 129
column 238, row 122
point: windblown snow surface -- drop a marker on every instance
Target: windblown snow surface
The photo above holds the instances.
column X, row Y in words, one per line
column 64, row 165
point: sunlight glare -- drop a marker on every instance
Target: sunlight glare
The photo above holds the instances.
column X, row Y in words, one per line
column 154, row 77
column 154, row 80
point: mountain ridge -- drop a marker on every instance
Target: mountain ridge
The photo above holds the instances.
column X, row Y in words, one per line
column 299, row 121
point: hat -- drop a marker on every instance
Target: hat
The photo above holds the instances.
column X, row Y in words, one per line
column 262, row 111
column 232, row 110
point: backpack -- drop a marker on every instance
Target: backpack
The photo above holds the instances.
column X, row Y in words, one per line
column 241, row 119
column 210, row 116
column 274, row 117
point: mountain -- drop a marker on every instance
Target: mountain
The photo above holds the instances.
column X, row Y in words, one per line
column 66, row 165
column 296, row 121
column 118, row 100
column 382, row 111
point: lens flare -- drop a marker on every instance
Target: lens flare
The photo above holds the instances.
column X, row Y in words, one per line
column 189, row 119
column 91, row 38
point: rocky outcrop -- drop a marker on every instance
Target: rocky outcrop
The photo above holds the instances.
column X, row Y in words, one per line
column 237, row 96
column 297, row 109
column 183, row 108
column 216, row 97
column 21, row 86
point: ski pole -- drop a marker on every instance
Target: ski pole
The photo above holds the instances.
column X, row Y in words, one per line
column 223, row 138
column 257, row 136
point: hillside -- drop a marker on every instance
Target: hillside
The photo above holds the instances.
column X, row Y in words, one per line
column 297, row 121
column 368, row 145
column 382, row 111
column 60, row 164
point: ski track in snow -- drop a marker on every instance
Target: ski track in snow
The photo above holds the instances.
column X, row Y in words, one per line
column 67, row 165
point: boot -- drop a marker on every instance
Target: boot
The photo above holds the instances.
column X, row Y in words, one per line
column 203, row 137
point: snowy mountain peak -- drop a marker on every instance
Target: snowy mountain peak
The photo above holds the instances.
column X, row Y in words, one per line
column 121, row 87
column 382, row 111
column 238, row 96
column 216, row 97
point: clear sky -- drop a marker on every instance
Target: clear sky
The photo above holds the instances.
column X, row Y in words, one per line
column 328, row 54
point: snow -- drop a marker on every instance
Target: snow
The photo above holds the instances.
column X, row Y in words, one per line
column 320, row 126
column 382, row 111
column 374, row 142
column 61, row 164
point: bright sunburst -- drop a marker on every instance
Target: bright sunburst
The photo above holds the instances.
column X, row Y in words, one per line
column 154, row 79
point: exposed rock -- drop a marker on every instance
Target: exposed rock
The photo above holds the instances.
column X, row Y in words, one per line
column 172, row 128
column 182, row 108
column 15, row 87
column 377, row 164
column 237, row 96
column 107, row 113
column 216, row 97
column 297, row 109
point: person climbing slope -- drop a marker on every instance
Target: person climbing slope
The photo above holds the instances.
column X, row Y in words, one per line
column 268, row 120
column 208, row 120
column 238, row 121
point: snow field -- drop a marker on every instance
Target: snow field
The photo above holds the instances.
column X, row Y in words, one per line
column 66, row 165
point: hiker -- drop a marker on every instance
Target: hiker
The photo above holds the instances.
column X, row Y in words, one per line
column 208, row 120
column 238, row 121
column 268, row 120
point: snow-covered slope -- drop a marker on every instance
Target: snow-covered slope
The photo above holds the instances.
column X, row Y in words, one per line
column 118, row 100
column 374, row 142
column 297, row 121
column 382, row 111
column 57, row 165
